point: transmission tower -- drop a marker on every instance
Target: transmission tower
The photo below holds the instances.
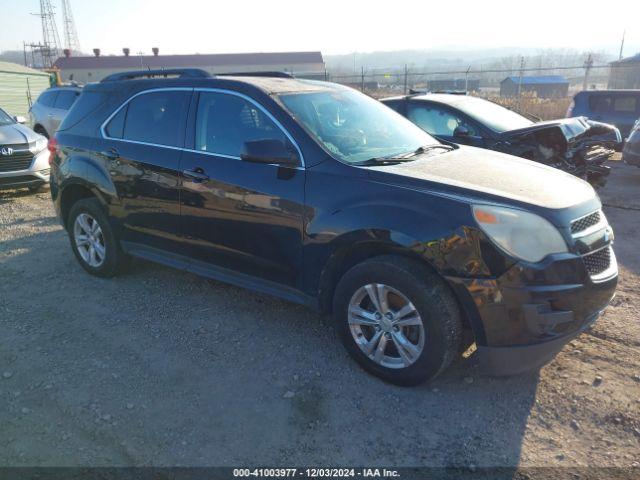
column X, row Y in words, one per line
column 50, row 37
column 70, row 32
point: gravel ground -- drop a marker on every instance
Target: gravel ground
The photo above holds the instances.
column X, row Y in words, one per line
column 160, row 367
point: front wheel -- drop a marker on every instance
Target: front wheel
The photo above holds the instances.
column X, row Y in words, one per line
column 397, row 319
column 93, row 240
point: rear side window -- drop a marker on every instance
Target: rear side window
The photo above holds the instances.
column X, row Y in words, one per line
column 600, row 103
column 625, row 104
column 225, row 122
column 48, row 98
column 65, row 99
column 156, row 117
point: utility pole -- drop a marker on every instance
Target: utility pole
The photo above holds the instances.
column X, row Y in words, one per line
column 520, row 82
column 406, row 79
column 588, row 65
column 466, row 80
column 622, row 44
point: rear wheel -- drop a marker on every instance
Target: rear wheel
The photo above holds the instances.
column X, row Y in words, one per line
column 93, row 240
column 397, row 319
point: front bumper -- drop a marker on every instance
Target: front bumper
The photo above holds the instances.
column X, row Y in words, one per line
column 523, row 318
column 37, row 174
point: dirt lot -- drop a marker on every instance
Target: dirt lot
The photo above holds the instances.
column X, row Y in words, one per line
column 160, row 367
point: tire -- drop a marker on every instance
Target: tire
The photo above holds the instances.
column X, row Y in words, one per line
column 113, row 259
column 405, row 281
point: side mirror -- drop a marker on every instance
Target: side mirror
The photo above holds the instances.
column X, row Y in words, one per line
column 461, row 131
column 270, row 152
column 20, row 119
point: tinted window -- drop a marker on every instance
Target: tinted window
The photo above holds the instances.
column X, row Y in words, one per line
column 48, row 98
column 625, row 104
column 115, row 128
column 490, row 114
column 224, row 122
column 157, row 117
column 600, row 103
column 65, row 99
column 437, row 121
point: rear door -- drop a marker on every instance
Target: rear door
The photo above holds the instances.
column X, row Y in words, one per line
column 140, row 147
column 241, row 216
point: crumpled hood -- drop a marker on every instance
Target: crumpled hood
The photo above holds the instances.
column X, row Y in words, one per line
column 16, row 134
column 572, row 129
column 493, row 173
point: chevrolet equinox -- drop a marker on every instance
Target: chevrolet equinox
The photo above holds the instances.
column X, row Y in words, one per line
column 318, row 194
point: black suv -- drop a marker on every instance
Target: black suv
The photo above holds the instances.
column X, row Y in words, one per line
column 321, row 195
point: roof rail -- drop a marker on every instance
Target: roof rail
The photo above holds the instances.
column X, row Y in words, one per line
column 257, row 74
column 173, row 72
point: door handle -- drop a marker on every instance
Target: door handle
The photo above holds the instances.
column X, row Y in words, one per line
column 196, row 175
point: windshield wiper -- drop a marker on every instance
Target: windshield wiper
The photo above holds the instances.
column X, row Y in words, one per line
column 424, row 149
column 405, row 157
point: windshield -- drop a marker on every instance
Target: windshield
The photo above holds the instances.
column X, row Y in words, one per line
column 353, row 126
column 5, row 119
column 492, row 115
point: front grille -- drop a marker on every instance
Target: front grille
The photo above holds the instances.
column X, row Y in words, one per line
column 20, row 160
column 598, row 262
column 585, row 222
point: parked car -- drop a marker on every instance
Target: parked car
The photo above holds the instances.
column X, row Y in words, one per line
column 50, row 108
column 318, row 194
column 577, row 146
column 23, row 155
column 617, row 107
column 631, row 152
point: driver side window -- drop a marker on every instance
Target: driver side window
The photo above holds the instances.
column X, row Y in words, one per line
column 225, row 122
column 437, row 121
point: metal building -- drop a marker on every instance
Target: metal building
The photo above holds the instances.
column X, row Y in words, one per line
column 95, row 68
column 19, row 87
column 625, row 73
column 544, row 86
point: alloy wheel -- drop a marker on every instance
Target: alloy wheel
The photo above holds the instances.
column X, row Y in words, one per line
column 89, row 240
column 386, row 326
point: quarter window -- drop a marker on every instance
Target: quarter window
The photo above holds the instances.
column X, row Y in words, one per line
column 225, row 122
column 156, row 117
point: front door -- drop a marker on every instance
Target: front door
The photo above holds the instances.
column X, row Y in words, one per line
column 141, row 151
column 237, row 215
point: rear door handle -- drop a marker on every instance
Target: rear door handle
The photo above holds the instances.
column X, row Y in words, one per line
column 197, row 175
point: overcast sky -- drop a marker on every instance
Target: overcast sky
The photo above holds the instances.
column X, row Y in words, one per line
column 332, row 26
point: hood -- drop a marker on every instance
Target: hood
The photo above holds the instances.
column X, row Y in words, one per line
column 491, row 173
column 571, row 129
column 16, row 134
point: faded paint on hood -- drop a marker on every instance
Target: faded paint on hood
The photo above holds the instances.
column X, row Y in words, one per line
column 494, row 173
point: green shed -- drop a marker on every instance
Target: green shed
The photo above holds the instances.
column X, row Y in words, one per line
column 19, row 87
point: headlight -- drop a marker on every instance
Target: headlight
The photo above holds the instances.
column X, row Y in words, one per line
column 41, row 144
column 521, row 234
